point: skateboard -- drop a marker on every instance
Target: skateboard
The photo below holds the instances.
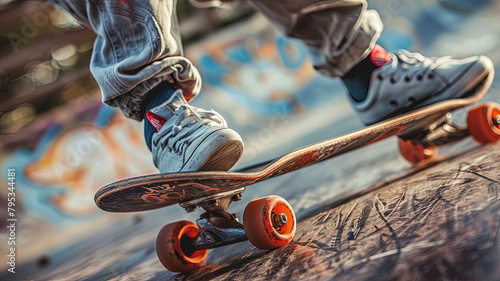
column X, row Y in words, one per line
column 270, row 222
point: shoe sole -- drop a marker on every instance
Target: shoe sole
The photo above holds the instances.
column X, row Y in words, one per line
column 224, row 157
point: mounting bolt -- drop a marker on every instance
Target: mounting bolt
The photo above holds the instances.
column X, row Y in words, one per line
column 280, row 219
column 449, row 117
column 213, row 203
column 236, row 197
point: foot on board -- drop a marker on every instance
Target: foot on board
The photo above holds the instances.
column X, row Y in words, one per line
column 406, row 81
column 191, row 138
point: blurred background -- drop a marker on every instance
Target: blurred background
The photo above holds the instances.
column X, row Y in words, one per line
column 65, row 144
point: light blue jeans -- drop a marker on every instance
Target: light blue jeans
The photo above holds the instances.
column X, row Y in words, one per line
column 138, row 43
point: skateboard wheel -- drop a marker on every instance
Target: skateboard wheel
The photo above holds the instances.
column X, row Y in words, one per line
column 416, row 153
column 172, row 246
column 483, row 122
column 269, row 222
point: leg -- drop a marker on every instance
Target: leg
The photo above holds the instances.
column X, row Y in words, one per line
column 341, row 36
column 138, row 46
column 139, row 65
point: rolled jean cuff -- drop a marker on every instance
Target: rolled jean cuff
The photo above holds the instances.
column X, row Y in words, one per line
column 357, row 47
column 133, row 102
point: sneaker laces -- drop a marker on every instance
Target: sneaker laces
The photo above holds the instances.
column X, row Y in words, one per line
column 182, row 129
column 410, row 65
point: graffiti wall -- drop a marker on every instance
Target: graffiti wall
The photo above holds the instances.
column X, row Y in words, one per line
column 252, row 64
column 57, row 180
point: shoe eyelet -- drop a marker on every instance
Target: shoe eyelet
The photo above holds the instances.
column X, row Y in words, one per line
column 393, row 81
column 393, row 103
column 169, row 149
column 407, row 79
column 420, row 77
column 430, row 75
column 411, row 100
column 380, row 77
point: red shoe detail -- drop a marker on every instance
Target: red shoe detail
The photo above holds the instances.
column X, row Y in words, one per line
column 155, row 120
column 187, row 96
column 379, row 56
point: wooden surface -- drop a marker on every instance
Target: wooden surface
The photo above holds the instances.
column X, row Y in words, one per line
column 441, row 224
column 438, row 223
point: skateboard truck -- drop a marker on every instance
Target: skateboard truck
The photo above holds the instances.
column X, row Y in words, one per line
column 442, row 131
column 219, row 201
column 218, row 229
column 268, row 223
column 217, row 226
column 483, row 124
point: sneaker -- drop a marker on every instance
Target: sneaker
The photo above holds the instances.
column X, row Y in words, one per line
column 192, row 139
column 410, row 81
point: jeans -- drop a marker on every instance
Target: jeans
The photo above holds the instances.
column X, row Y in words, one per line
column 138, row 43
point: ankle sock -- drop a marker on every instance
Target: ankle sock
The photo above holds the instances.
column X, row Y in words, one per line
column 158, row 95
column 357, row 80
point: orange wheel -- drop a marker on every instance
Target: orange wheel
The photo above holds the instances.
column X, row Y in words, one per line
column 269, row 222
column 416, row 153
column 172, row 247
column 483, row 122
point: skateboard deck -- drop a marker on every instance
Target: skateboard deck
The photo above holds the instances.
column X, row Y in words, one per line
column 160, row 190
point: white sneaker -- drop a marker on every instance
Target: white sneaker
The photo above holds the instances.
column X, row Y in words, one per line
column 192, row 139
column 410, row 81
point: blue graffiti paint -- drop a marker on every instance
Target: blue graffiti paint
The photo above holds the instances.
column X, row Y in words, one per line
column 282, row 43
column 104, row 115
